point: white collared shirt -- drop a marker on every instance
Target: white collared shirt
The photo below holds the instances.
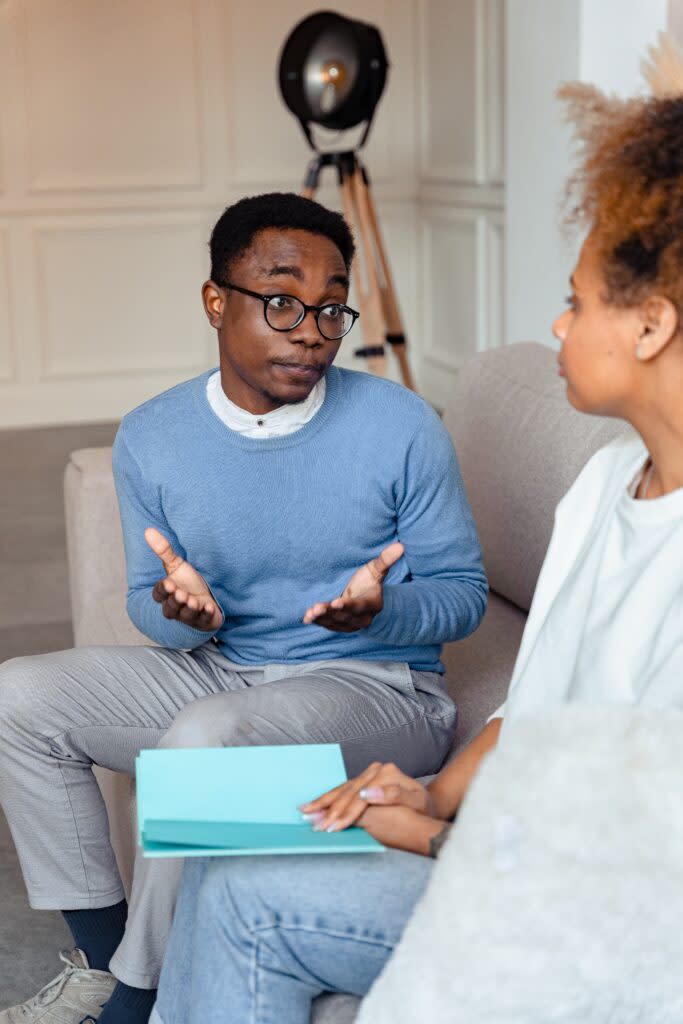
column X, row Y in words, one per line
column 277, row 423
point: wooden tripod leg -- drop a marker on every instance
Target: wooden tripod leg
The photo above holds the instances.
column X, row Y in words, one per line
column 387, row 289
column 369, row 300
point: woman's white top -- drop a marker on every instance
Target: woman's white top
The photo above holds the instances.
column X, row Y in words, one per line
column 277, row 423
column 606, row 622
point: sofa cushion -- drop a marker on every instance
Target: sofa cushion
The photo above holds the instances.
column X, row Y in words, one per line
column 478, row 669
column 335, row 1009
column 521, row 445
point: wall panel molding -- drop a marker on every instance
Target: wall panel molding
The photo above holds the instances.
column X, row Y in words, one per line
column 493, row 28
column 117, row 117
column 100, row 196
column 447, row 82
column 120, row 296
column 460, row 193
column 449, row 258
column 491, row 282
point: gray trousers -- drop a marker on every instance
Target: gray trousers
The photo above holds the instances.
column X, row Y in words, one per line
column 61, row 713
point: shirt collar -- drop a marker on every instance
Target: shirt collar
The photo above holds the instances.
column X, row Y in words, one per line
column 284, row 419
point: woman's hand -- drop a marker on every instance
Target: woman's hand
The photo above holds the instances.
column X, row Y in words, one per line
column 380, row 784
column 401, row 827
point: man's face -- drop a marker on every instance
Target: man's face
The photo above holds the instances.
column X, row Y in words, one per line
column 262, row 369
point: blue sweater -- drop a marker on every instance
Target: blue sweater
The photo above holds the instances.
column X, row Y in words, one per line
column 275, row 525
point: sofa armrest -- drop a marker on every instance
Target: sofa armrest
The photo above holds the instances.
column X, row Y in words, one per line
column 97, row 577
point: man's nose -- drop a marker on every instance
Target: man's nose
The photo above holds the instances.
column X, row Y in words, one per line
column 307, row 331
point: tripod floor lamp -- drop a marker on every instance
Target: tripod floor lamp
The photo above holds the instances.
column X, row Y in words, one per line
column 332, row 73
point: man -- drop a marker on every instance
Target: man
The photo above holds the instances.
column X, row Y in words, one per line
column 249, row 498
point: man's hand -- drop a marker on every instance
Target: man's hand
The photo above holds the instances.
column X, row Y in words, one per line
column 363, row 597
column 380, row 784
column 182, row 593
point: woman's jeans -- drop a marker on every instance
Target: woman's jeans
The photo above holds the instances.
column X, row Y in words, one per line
column 256, row 939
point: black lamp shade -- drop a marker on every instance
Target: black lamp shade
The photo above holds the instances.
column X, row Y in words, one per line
column 333, row 70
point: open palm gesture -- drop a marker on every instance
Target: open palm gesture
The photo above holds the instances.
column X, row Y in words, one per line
column 182, row 593
column 363, row 596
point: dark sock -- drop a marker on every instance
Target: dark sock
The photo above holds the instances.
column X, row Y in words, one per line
column 98, row 932
column 128, row 1005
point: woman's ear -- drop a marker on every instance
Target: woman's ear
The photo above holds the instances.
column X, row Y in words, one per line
column 214, row 303
column 660, row 324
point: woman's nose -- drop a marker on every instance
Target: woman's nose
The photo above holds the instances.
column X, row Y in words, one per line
column 560, row 325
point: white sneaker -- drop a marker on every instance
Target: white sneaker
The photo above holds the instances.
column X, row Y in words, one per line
column 76, row 995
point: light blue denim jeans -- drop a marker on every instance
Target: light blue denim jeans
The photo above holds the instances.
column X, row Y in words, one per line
column 256, row 939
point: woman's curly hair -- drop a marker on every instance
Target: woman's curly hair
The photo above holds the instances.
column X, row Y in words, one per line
column 628, row 190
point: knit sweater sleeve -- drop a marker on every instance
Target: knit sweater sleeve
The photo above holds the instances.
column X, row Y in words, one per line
column 140, row 506
column 444, row 597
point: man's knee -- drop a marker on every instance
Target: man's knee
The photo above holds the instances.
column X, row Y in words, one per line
column 196, row 725
column 16, row 689
column 221, row 720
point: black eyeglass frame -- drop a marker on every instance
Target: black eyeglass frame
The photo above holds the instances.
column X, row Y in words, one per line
column 265, row 299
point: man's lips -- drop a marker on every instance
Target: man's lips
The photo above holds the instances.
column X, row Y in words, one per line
column 300, row 369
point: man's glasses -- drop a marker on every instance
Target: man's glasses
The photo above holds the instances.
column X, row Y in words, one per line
column 285, row 312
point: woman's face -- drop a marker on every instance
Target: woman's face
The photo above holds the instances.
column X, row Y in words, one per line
column 599, row 340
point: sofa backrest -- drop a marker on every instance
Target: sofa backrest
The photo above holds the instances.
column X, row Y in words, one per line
column 520, row 445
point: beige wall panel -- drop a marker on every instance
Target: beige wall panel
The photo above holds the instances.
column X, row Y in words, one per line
column 267, row 143
column 7, row 86
column 493, row 16
column 450, row 265
column 112, row 94
column 448, row 40
column 492, row 291
column 120, row 298
column 6, row 313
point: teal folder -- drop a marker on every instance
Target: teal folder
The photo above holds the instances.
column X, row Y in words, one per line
column 238, row 801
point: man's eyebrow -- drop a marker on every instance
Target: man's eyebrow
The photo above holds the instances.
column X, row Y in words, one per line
column 282, row 270
column 339, row 279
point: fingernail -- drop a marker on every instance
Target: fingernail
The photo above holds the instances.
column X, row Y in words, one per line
column 371, row 793
column 334, row 827
column 314, row 816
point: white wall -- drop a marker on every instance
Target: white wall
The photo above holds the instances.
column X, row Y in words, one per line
column 547, row 43
column 126, row 127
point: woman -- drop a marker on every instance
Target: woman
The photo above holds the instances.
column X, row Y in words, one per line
column 258, row 939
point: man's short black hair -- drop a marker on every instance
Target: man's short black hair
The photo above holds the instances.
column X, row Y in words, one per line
column 236, row 228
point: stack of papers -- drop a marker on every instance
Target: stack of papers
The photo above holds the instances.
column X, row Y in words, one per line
column 237, row 801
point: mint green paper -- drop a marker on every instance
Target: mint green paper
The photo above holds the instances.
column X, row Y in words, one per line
column 238, row 801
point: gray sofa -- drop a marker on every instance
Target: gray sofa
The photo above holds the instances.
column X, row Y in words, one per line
column 520, row 446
